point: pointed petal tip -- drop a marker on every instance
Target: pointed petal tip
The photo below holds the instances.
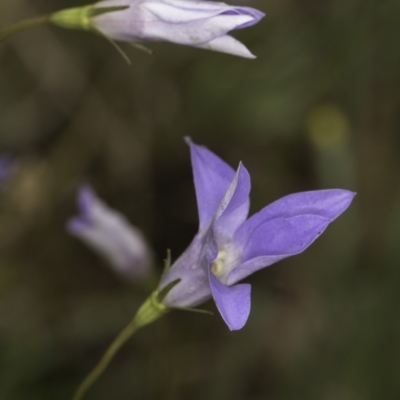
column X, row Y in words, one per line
column 76, row 225
column 86, row 198
column 347, row 198
column 233, row 302
column 188, row 140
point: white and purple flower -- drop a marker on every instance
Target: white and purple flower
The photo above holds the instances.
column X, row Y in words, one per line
column 202, row 24
column 229, row 247
column 111, row 235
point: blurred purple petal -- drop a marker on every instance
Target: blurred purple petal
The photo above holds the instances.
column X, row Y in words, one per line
column 76, row 225
column 7, row 164
column 86, row 199
column 111, row 235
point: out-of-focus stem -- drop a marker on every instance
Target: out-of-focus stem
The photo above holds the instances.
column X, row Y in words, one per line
column 150, row 311
column 23, row 25
column 118, row 342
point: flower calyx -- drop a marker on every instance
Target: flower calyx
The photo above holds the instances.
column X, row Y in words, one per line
column 81, row 17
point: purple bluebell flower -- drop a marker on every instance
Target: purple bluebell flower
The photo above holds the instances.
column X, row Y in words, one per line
column 229, row 247
column 111, row 235
column 7, row 165
column 202, row 24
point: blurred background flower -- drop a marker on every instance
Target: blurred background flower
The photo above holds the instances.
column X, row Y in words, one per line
column 318, row 109
column 111, row 235
column 7, row 165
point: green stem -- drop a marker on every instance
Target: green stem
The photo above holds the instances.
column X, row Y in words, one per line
column 150, row 311
column 23, row 25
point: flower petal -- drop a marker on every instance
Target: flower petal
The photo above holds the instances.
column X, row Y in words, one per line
column 111, row 235
column 198, row 31
column 86, row 199
column 232, row 302
column 212, row 177
column 278, row 239
column 7, row 165
column 227, row 44
column 255, row 14
column 193, row 288
column 234, row 207
column 325, row 203
column 181, row 12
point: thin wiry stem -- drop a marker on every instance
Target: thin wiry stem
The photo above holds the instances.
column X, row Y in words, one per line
column 118, row 342
column 23, row 25
column 151, row 310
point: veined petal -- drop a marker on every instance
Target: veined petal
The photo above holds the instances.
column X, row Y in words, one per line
column 277, row 239
column 255, row 14
column 199, row 5
column 202, row 24
column 212, row 177
column 195, row 32
column 233, row 302
column 227, row 44
column 180, row 12
column 234, row 206
column 191, row 268
column 325, row 203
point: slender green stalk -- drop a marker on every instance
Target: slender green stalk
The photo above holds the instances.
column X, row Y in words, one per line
column 151, row 310
column 118, row 342
column 23, row 25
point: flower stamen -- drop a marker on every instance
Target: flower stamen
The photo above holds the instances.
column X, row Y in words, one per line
column 218, row 266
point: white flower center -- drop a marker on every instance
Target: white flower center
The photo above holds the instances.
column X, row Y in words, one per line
column 218, row 266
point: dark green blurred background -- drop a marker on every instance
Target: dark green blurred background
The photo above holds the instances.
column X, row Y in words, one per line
column 318, row 108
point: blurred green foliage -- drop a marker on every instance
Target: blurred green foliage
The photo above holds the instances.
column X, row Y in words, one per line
column 319, row 108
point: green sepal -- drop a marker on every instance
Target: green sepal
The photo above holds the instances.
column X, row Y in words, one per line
column 153, row 308
column 96, row 11
column 80, row 17
column 162, row 294
column 167, row 264
column 141, row 47
column 115, row 45
column 195, row 310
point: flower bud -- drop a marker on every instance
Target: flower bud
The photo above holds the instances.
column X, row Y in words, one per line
column 111, row 235
column 202, row 24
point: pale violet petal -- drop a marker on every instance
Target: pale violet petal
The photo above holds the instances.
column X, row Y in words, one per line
column 193, row 288
column 227, row 44
column 198, row 5
column 233, row 302
column 234, row 207
column 195, row 32
column 111, row 235
column 277, row 239
column 86, row 200
column 325, row 203
column 212, row 177
column 255, row 14
column 179, row 15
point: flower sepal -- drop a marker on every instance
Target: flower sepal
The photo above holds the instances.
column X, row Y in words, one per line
column 154, row 308
column 81, row 17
